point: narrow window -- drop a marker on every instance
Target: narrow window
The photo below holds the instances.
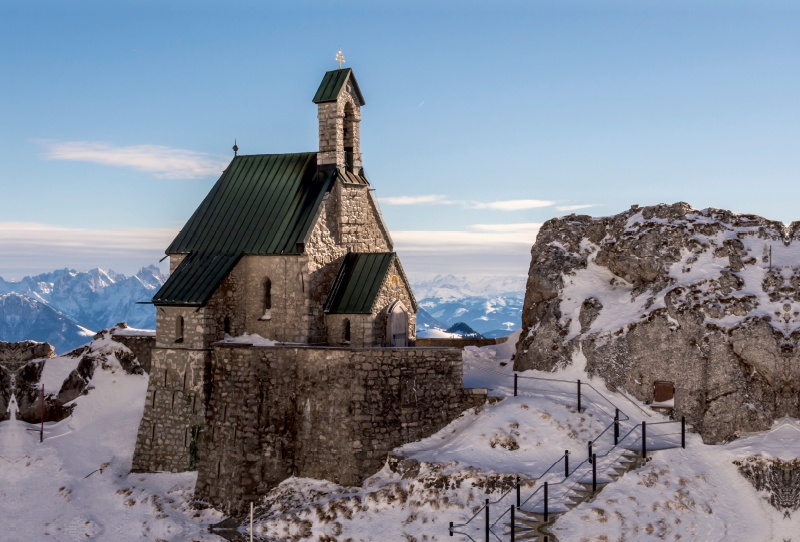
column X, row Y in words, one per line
column 227, row 325
column 267, row 299
column 346, row 331
column 179, row 330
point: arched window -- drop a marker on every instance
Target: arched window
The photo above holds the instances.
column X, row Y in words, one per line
column 348, row 133
column 346, row 334
column 226, row 325
column 179, row 329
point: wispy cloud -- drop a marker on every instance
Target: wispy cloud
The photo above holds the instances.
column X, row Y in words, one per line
column 495, row 249
column 521, row 227
column 575, row 207
column 513, row 204
column 415, row 200
column 29, row 248
column 164, row 162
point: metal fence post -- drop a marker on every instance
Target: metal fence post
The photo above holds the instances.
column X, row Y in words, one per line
column 515, row 384
column 487, row 520
column 546, row 515
column 594, row 472
column 566, row 463
column 616, row 427
column 512, row 524
column 41, row 431
column 683, row 431
column 579, row 395
column 590, row 451
column 518, row 484
column 644, row 440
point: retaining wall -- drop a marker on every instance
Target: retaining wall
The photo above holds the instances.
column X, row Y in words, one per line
column 320, row 412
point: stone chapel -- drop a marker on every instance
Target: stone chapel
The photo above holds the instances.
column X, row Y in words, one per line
column 292, row 248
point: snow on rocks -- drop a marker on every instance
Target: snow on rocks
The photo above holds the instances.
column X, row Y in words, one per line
column 707, row 299
column 76, row 485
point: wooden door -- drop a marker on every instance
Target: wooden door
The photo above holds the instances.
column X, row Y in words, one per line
column 397, row 328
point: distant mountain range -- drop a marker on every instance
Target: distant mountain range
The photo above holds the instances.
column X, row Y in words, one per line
column 492, row 306
column 66, row 307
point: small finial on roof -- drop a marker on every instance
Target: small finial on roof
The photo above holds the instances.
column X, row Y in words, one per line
column 235, row 148
column 340, row 58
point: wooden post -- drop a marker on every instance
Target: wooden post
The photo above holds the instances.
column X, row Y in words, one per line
column 579, row 395
column 590, row 451
column 518, row 496
column 451, row 528
column 566, row 463
column 594, row 473
column 512, row 524
column 515, row 384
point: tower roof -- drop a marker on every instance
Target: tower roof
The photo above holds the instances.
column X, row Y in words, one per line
column 333, row 83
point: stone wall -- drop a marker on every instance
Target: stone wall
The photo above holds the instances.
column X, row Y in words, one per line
column 171, row 430
column 333, row 117
column 140, row 345
column 332, row 413
column 174, row 261
column 361, row 330
column 194, row 327
column 391, row 291
column 288, row 320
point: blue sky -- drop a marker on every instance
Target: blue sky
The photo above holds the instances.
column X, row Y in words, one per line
column 488, row 118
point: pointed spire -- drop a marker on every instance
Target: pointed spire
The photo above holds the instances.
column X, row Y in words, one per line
column 235, row 148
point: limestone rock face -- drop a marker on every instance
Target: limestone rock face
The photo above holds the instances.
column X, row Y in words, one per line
column 707, row 299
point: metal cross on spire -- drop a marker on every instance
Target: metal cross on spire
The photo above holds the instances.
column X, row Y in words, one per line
column 340, row 58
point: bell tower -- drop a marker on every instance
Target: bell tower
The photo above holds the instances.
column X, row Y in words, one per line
column 339, row 102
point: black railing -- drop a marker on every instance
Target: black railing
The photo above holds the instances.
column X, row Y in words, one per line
column 623, row 444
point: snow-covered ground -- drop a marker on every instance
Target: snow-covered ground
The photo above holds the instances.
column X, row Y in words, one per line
column 691, row 494
column 76, row 484
column 55, row 490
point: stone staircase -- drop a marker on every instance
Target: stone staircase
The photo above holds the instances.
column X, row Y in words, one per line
column 530, row 525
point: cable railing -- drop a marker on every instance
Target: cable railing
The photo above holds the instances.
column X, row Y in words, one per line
column 581, row 385
column 572, row 478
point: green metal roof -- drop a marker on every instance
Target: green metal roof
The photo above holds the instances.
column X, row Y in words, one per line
column 358, row 282
column 262, row 204
column 332, row 84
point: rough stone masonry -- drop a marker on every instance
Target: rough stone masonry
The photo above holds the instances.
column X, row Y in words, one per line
column 332, row 413
column 707, row 299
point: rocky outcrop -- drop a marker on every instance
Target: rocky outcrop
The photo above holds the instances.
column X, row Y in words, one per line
column 21, row 376
column 13, row 355
column 708, row 299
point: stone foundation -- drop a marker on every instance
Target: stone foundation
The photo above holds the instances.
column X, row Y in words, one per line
column 172, row 424
column 331, row 413
column 140, row 345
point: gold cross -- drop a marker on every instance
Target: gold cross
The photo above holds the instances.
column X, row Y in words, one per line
column 340, row 58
